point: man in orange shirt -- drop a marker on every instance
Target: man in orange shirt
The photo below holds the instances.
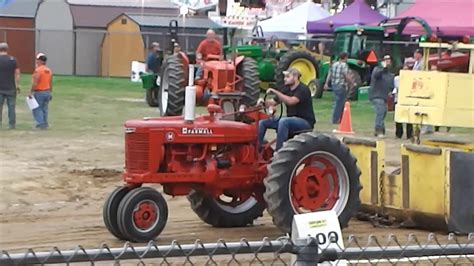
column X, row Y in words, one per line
column 209, row 46
column 41, row 89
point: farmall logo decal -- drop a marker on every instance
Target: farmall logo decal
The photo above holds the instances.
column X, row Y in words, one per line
column 196, row 131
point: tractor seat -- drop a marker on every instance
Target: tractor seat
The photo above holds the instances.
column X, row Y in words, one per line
column 294, row 133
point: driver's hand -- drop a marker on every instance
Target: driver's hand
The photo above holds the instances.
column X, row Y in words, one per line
column 260, row 101
column 270, row 90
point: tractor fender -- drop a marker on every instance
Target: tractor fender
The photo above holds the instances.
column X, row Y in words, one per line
column 239, row 59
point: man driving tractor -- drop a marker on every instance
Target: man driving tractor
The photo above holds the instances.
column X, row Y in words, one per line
column 209, row 46
column 299, row 108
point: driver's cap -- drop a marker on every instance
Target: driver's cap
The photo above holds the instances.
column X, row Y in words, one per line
column 292, row 71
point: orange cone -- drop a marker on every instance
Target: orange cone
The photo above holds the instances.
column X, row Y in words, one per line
column 345, row 126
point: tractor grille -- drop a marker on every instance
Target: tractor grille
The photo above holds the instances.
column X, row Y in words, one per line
column 136, row 152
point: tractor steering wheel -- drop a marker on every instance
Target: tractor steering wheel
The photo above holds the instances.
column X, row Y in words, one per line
column 269, row 110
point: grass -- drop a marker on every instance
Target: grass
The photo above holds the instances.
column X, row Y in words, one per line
column 95, row 105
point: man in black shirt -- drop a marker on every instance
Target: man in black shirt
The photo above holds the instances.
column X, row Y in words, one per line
column 9, row 84
column 299, row 108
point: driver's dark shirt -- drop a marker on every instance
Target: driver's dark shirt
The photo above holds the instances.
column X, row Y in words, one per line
column 304, row 108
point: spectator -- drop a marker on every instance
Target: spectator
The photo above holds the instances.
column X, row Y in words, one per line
column 9, row 84
column 399, row 126
column 339, row 78
column 207, row 47
column 176, row 48
column 42, row 89
column 154, row 59
column 418, row 55
column 381, row 85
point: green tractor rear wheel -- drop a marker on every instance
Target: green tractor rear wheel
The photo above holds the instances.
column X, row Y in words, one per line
column 301, row 60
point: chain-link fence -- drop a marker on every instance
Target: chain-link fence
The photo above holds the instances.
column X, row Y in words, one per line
column 439, row 250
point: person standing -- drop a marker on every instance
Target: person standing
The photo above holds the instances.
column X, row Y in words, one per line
column 399, row 126
column 154, row 59
column 42, row 89
column 381, row 85
column 340, row 79
column 9, row 84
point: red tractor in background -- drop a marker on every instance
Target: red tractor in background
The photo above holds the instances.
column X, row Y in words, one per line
column 228, row 83
column 228, row 177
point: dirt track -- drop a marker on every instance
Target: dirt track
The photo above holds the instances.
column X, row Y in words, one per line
column 52, row 191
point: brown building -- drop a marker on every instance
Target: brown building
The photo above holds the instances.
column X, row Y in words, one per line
column 17, row 28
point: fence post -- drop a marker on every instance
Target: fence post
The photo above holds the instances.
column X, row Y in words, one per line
column 306, row 250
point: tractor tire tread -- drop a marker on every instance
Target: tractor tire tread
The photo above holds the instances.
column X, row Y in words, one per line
column 209, row 212
column 176, row 86
column 279, row 175
column 248, row 70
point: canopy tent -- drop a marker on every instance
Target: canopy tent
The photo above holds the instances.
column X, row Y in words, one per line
column 293, row 22
column 357, row 13
column 445, row 17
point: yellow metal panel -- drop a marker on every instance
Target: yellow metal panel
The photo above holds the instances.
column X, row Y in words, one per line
column 436, row 98
column 427, row 179
column 371, row 162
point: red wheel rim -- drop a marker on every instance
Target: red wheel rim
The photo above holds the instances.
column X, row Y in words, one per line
column 145, row 215
column 316, row 186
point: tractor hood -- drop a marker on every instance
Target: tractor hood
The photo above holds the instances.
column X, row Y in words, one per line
column 174, row 129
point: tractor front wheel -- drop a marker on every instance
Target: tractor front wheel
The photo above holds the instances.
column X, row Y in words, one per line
column 229, row 211
column 110, row 210
column 142, row 214
column 172, row 88
column 312, row 173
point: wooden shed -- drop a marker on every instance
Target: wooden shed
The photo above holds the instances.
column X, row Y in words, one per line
column 17, row 28
column 90, row 22
column 70, row 32
column 129, row 37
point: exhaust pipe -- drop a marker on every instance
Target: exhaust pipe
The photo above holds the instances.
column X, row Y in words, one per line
column 190, row 97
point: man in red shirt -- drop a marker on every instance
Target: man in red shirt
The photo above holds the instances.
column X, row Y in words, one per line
column 209, row 46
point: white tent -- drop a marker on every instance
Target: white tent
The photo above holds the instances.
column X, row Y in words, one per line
column 293, row 22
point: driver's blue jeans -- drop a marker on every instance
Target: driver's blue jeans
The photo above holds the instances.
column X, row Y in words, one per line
column 284, row 126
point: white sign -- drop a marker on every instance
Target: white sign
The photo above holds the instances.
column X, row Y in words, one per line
column 137, row 69
column 323, row 226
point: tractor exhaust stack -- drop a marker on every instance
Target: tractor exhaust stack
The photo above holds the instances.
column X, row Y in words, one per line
column 190, row 97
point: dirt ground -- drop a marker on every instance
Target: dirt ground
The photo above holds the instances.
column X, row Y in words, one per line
column 52, row 191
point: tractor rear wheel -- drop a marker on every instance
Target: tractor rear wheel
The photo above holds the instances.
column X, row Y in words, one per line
column 110, row 210
column 142, row 214
column 172, row 89
column 250, row 84
column 152, row 97
column 220, row 213
column 301, row 60
column 312, row 173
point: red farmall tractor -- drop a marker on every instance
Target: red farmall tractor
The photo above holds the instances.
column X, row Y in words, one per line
column 228, row 177
column 228, row 83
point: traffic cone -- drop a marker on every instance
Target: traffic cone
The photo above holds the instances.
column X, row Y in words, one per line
column 345, row 127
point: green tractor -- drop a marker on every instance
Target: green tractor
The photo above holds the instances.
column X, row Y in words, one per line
column 273, row 57
column 365, row 45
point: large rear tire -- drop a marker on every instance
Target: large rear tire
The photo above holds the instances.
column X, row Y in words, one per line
column 250, row 85
column 301, row 60
column 312, row 173
column 172, row 89
column 219, row 213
